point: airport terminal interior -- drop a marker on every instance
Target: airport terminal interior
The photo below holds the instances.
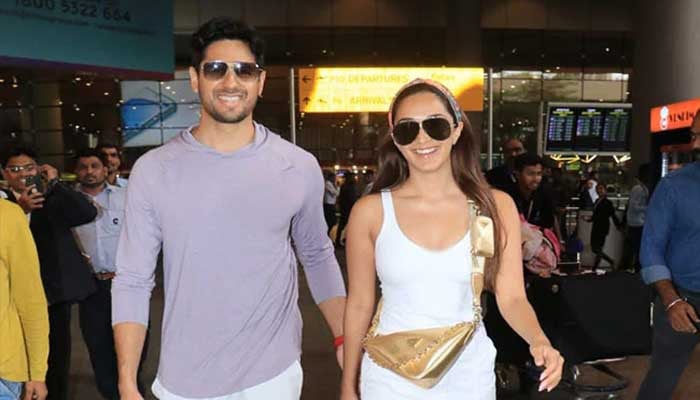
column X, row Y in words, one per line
column 597, row 88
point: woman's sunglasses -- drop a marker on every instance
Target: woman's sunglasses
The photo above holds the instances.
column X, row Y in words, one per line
column 438, row 128
column 245, row 71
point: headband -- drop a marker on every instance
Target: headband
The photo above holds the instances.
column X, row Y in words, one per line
column 456, row 111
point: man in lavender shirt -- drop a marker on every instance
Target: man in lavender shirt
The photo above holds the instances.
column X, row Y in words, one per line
column 230, row 203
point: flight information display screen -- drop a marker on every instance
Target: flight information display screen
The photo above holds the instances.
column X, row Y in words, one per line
column 587, row 127
column 616, row 129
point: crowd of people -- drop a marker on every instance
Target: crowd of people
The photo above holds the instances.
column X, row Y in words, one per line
column 430, row 226
column 75, row 231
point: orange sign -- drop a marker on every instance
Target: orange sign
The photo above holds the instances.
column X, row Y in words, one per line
column 372, row 89
column 674, row 116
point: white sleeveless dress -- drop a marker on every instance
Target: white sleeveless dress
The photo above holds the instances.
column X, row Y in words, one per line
column 424, row 288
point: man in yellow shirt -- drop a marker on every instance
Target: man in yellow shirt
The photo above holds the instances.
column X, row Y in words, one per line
column 24, row 321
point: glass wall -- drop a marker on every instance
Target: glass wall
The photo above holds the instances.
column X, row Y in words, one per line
column 57, row 114
column 519, row 93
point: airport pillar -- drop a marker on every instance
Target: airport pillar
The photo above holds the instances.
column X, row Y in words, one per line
column 666, row 62
column 463, row 47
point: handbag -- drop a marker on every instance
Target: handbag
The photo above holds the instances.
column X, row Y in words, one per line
column 423, row 356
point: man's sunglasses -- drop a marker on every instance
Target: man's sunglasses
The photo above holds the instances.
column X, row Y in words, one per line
column 438, row 128
column 245, row 71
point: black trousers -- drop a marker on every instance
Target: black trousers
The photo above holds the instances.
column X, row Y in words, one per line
column 96, row 328
column 342, row 222
column 671, row 352
column 329, row 215
column 633, row 241
column 59, row 351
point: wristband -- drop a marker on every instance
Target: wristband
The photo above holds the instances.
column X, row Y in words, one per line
column 338, row 341
column 674, row 302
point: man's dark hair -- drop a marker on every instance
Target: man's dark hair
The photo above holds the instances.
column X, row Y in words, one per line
column 87, row 152
column 107, row 145
column 527, row 160
column 225, row 28
column 16, row 150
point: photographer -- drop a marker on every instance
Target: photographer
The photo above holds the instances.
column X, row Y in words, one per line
column 52, row 209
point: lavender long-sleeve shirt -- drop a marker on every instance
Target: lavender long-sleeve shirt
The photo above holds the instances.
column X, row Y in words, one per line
column 226, row 223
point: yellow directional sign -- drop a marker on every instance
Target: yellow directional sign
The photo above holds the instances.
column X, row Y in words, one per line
column 371, row 89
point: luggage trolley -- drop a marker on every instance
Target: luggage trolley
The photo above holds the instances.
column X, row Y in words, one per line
column 587, row 330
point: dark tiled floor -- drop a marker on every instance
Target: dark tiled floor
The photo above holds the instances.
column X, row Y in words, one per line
column 322, row 374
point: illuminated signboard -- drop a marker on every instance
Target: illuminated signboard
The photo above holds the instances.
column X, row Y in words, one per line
column 129, row 37
column 587, row 127
column 673, row 116
column 372, row 89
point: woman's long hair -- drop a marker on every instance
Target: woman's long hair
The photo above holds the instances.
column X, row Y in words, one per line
column 466, row 170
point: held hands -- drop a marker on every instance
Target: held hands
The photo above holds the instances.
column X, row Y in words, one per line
column 548, row 357
column 682, row 317
column 35, row 390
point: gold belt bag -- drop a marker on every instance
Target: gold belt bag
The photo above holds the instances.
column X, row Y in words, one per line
column 423, row 356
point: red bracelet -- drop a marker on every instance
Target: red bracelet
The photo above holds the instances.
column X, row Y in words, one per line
column 338, row 341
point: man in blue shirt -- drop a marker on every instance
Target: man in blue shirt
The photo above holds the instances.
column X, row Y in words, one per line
column 98, row 241
column 670, row 262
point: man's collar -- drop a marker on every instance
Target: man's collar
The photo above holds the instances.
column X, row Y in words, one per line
column 106, row 188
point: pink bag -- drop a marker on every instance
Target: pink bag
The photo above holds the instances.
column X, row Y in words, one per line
column 541, row 248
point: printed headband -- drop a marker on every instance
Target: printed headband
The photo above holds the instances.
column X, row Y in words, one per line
column 456, row 111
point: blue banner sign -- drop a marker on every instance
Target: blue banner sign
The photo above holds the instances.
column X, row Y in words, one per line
column 130, row 37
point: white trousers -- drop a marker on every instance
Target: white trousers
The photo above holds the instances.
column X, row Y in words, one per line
column 285, row 386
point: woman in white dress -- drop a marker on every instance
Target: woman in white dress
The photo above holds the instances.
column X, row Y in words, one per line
column 413, row 233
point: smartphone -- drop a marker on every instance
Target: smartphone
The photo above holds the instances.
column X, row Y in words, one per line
column 36, row 181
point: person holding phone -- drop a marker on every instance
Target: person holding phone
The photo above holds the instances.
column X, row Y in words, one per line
column 64, row 272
